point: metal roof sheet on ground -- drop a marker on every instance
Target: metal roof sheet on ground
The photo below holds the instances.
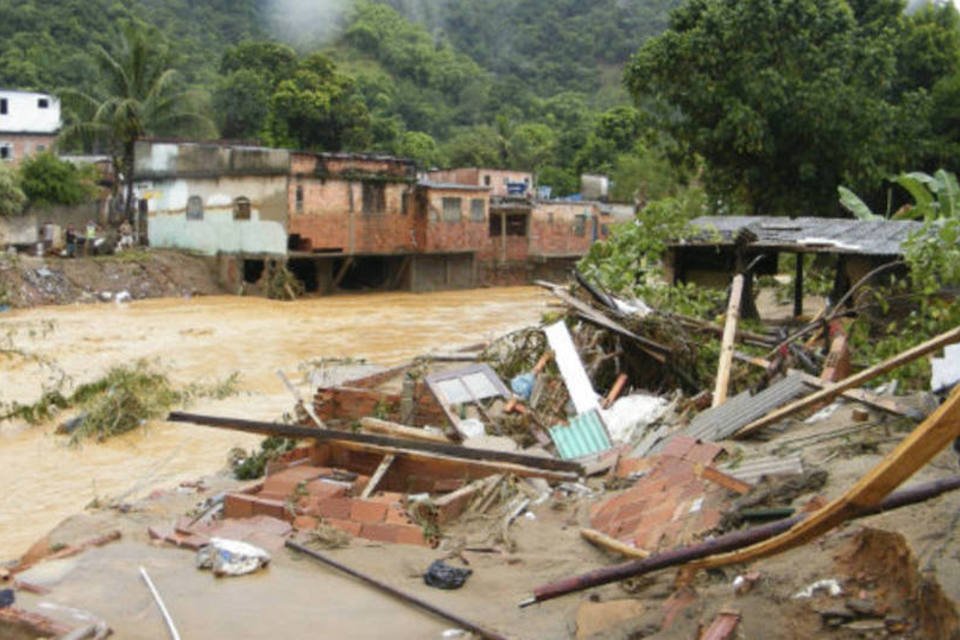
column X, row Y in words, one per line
column 722, row 422
column 584, row 435
column 835, row 235
column 751, row 471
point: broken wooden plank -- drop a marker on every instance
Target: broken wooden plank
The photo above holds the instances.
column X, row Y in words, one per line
column 377, row 476
column 472, row 468
column 888, row 405
column 602, row 540
column 917, row 449
column 384, row 442
column 856, row 380
column 726, row 345
column 654, row 349
column 615, row 390
column 725, row 542
column 337, row 279
column 385, row 427
column 307, row 407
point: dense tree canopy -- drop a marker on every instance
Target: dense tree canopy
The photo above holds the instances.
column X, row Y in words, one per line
column 785, row 100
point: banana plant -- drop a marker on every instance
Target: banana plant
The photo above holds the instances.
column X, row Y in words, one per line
column 934, row 197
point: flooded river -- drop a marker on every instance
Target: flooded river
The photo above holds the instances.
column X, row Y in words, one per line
column 203, row 340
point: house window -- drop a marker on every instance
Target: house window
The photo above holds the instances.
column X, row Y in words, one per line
column 452, row 209
column 374, row 198
column 6, row 151
column 194, row 208
column 43, row 103
column 517, row 224
column 3, row 106
column 486, row 180
column 495, row 226
column 580, row 225
column 241, row 208
column 477, row 213
column 41, row 148
column 299, row 199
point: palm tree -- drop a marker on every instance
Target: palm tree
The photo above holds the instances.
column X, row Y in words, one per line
column 137, row 96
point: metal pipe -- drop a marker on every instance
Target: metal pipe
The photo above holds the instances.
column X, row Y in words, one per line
column 724, row 543
column 163, row 608
column 393, row 591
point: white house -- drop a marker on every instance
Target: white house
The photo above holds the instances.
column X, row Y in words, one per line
column 29, row 123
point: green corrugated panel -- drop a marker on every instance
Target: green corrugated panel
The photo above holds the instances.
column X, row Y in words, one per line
column 584, row 435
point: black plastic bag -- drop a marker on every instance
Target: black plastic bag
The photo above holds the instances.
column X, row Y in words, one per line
column 443, row 576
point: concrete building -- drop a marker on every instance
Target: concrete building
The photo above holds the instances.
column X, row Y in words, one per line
column 213, row 198
column 502, row 182
column 29, row 123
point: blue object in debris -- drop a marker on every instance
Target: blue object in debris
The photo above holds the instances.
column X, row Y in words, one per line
column 6, row 598
column 522, row 385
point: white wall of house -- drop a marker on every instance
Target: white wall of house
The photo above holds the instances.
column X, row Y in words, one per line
column 216, row 229
column 24, row 112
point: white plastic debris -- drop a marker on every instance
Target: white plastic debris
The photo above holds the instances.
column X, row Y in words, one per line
column 472, row 428
column 123, row 296
column 632, row 412
column 824, row 413
column 231, row 557
column 830, row 585
column 454, row 633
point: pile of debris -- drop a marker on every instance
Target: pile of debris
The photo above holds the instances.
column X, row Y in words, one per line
column 451, row 450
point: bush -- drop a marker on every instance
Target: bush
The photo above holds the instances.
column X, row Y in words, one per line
column 48, row 180
column 12, row 198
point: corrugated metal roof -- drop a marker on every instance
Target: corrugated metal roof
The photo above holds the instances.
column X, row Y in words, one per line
column 834, row 235
column 585, row 434
column 750, row 471
column 722, row 422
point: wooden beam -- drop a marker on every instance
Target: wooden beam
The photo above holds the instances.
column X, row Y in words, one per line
column 916, row 450
column 602, row 540
column 307, row 407
column 889, row 405
column 832, row 391
column 726, row 345
column 341, row 274
column 798, row 287
column 378, row 475
column 386, row 444
column 470, row 467
column 387, row 428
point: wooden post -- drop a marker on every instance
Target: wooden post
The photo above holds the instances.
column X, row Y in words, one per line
column 341, row 273
column 798, row 288
column 832, row 391
column 726, row 347
column 377, row 476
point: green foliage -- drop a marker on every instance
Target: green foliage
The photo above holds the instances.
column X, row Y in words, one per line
column 634, row 250
column 12, row 197
column 48, row 180
column 420, row 147
column 318, row 108
column 813, row 94
column 249, row 466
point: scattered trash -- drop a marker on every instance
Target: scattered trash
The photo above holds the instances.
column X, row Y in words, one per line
column 442, row 576
column 231, row 557
column 830, row 585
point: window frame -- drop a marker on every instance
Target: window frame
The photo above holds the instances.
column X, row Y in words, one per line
column 242, row 208
column 194, row 210
column 475, row 210
column 446, row 209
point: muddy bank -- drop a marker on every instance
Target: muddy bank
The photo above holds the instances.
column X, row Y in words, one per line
column 27, row 281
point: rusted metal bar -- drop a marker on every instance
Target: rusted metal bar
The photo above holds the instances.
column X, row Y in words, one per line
column 449, row 450
column 724, row 543
column 393, row 591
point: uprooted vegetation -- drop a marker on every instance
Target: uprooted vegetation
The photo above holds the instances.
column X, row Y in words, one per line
column 123, row 399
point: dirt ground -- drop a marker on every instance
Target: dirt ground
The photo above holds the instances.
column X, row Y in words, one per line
column 27, row 281
column 297, row 598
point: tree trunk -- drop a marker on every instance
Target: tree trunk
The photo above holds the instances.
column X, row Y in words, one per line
column 128, row 162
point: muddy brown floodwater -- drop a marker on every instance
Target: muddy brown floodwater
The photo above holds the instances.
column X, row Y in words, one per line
column 203, row 340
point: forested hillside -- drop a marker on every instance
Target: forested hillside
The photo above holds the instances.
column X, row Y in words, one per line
column 501, row 82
